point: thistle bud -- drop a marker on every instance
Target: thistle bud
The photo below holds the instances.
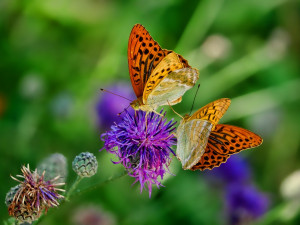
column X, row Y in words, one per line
column 85, row 164
column 54, row 165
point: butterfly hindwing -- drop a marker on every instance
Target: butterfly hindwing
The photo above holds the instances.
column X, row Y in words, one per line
column 173, row 87
column 144, row 54
column 192, row 138
column 168, row 64
column 210, row 159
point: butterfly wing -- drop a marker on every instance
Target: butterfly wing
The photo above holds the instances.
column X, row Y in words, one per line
column 224, row 141
column 213, row 111
column 144, row 54
column 192, row 137
column 168, row 64
column 172, row 87
column 210, row 159
column 228, row 139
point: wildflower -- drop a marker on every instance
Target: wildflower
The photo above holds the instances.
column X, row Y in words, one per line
column 245, row 203
column 143, row 145
column 34, row 195
column 85, row 164
column 109, row 106
column 235, row 170
column 290, row 191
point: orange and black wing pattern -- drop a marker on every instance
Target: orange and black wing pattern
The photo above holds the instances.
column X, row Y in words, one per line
column 143, row 56
column 224, row 141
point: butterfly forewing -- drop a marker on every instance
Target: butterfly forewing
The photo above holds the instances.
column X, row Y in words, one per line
column 143, row 55
column 213, row 111
column 228, row 139
column 224, row 141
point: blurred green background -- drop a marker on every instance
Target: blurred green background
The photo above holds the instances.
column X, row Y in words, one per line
column 57, row 54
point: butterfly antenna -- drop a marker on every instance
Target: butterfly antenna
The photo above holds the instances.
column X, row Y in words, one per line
column 101, row 89
column 119, row 114
column 175, row 111
column 195, row 98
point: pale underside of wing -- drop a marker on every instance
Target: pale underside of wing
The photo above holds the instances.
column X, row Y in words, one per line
column 213, row 111
column 192, row 137
column 168, row 64
column 172, row 87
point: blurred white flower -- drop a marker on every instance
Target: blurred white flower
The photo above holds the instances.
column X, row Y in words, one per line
column 278, row 44
column 290, row 191
column 32, row 86
column 216, row 46
column 290, row 187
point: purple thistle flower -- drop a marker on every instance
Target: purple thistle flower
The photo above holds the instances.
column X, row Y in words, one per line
column 108, row 105
column 245, row 203
column 235, row 170
column 143, row 145
column 35, row 193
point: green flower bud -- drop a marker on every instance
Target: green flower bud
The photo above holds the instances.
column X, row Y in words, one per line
column 54, row 165
column 85, row 164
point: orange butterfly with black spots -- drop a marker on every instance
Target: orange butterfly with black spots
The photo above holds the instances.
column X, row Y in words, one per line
column 158, row 76
column 202, row 143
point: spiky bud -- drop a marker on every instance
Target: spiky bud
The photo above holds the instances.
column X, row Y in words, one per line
column 54, row 165
column 85, row 164
column 10, row 194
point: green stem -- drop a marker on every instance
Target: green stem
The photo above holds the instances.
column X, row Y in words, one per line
column 72, row 188
column 79, row 192
column 100, row 184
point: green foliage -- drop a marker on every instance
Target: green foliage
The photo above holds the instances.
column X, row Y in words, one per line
column 57, row 54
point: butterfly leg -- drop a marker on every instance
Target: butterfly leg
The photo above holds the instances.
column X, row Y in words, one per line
column 153, row 110
column 146, row 119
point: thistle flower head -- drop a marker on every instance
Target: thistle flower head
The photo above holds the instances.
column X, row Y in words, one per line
column 143, row 143
column 34, row 195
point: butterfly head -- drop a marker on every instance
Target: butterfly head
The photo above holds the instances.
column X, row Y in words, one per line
column 136, row 104
column 186, row 117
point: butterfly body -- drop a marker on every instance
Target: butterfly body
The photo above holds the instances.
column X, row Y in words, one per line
column 158, row 76
column 202, row 143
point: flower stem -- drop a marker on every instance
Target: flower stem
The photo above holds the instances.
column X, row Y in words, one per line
column 73, row 187
column 79, row 192
column 97, row 185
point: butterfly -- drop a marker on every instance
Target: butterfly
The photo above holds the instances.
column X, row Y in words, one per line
column 158, row 76
column 202, row 143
